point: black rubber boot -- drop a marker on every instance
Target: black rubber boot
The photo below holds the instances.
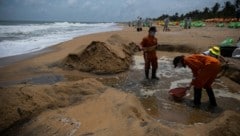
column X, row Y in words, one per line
column 146, row 73
column 211, row 96
column 197, row 97
column 154, row 74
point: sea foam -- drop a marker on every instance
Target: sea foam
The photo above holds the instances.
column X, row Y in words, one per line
column 21, row 38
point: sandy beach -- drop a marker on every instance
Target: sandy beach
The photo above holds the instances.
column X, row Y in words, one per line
column 69, row 89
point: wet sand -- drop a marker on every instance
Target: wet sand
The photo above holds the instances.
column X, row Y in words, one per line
column 15, row 59
column 56, row 101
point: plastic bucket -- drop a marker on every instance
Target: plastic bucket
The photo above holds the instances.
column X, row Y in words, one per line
column 178, row 92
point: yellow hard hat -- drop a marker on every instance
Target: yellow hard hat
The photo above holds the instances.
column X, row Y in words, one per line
column 215, row 50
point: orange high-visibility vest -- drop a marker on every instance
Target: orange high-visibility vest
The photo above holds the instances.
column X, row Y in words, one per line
column 204, row 69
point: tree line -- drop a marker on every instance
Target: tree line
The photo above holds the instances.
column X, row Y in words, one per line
column 227, row 11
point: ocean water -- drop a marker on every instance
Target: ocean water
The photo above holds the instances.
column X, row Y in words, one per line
column 18, row 37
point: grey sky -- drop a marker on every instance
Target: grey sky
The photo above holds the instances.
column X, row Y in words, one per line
column 97, row 10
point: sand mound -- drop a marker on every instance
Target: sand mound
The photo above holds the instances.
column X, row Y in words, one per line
column 226, row 125
column 95, row 110
column 21, row 102
column 109, row 57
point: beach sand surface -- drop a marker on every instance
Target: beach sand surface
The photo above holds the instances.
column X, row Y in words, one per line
column 41, row 96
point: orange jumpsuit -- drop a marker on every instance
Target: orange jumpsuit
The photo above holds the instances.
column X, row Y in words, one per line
column 204, row 69
column 149, row 52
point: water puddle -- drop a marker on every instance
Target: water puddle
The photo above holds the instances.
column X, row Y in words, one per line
column 157, row 102
column 45, row 79
column 38, row 79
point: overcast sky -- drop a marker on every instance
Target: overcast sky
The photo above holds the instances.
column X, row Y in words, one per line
column 97, row 10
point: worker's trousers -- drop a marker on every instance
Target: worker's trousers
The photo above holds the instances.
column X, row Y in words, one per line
column 198, row 95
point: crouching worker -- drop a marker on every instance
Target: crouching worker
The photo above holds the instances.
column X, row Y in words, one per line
column 215, row 52
column 205, row 70
column 149, row 45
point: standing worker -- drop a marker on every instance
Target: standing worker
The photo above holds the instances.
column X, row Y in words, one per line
column 189, row 23
column 149, row 45
column 205, row 70
column 185, row 21
column 139, row 24
column 166, row 22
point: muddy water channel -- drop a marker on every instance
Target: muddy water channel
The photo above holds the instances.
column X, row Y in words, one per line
column 160, row 105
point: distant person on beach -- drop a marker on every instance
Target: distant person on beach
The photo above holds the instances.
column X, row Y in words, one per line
column 129, row 23
column 139, row 24
column 149, row 22
column 149, row 45
column 185, row 21
column 166, row 22
column 205, row 69
column 189, row 22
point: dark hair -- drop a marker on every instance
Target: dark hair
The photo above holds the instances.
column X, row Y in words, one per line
column 152, row 29
column 178, row 59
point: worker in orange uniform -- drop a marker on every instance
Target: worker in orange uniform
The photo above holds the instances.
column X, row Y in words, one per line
column 149, row 45
column 205, row 70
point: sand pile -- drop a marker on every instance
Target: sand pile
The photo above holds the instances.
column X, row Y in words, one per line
column 226, row 125
column 87, row 107
column 21, row 102
column 112, row 56
column 95, row 110
column 112, row 113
